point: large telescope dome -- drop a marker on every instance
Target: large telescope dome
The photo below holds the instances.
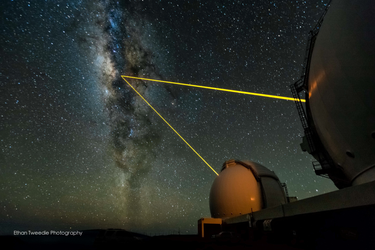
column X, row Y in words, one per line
column 341, row 90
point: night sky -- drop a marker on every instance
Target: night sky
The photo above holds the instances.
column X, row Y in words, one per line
column 80, row 150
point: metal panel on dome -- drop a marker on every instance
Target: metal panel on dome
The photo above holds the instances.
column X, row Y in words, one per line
column 273, row 193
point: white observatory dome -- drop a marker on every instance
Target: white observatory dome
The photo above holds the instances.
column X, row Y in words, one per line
column 244, row 187
column 341, row 88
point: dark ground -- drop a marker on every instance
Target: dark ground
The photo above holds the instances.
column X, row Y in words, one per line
column 89, row 241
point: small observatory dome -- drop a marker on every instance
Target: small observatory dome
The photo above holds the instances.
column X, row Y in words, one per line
column 244, row 187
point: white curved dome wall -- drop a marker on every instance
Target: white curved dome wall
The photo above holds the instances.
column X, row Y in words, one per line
column 342, row 87
column 244, row 187
column 235, row 191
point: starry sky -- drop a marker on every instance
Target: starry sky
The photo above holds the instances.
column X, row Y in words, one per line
column 80, row 150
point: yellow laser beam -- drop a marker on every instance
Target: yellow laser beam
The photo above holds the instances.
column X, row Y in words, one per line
column 219, row 89
column 123, row 77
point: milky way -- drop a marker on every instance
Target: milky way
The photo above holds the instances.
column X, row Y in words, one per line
column 133, row 132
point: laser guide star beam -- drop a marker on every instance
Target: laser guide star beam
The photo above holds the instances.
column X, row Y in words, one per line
column 170, row 126
column 218, row 89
